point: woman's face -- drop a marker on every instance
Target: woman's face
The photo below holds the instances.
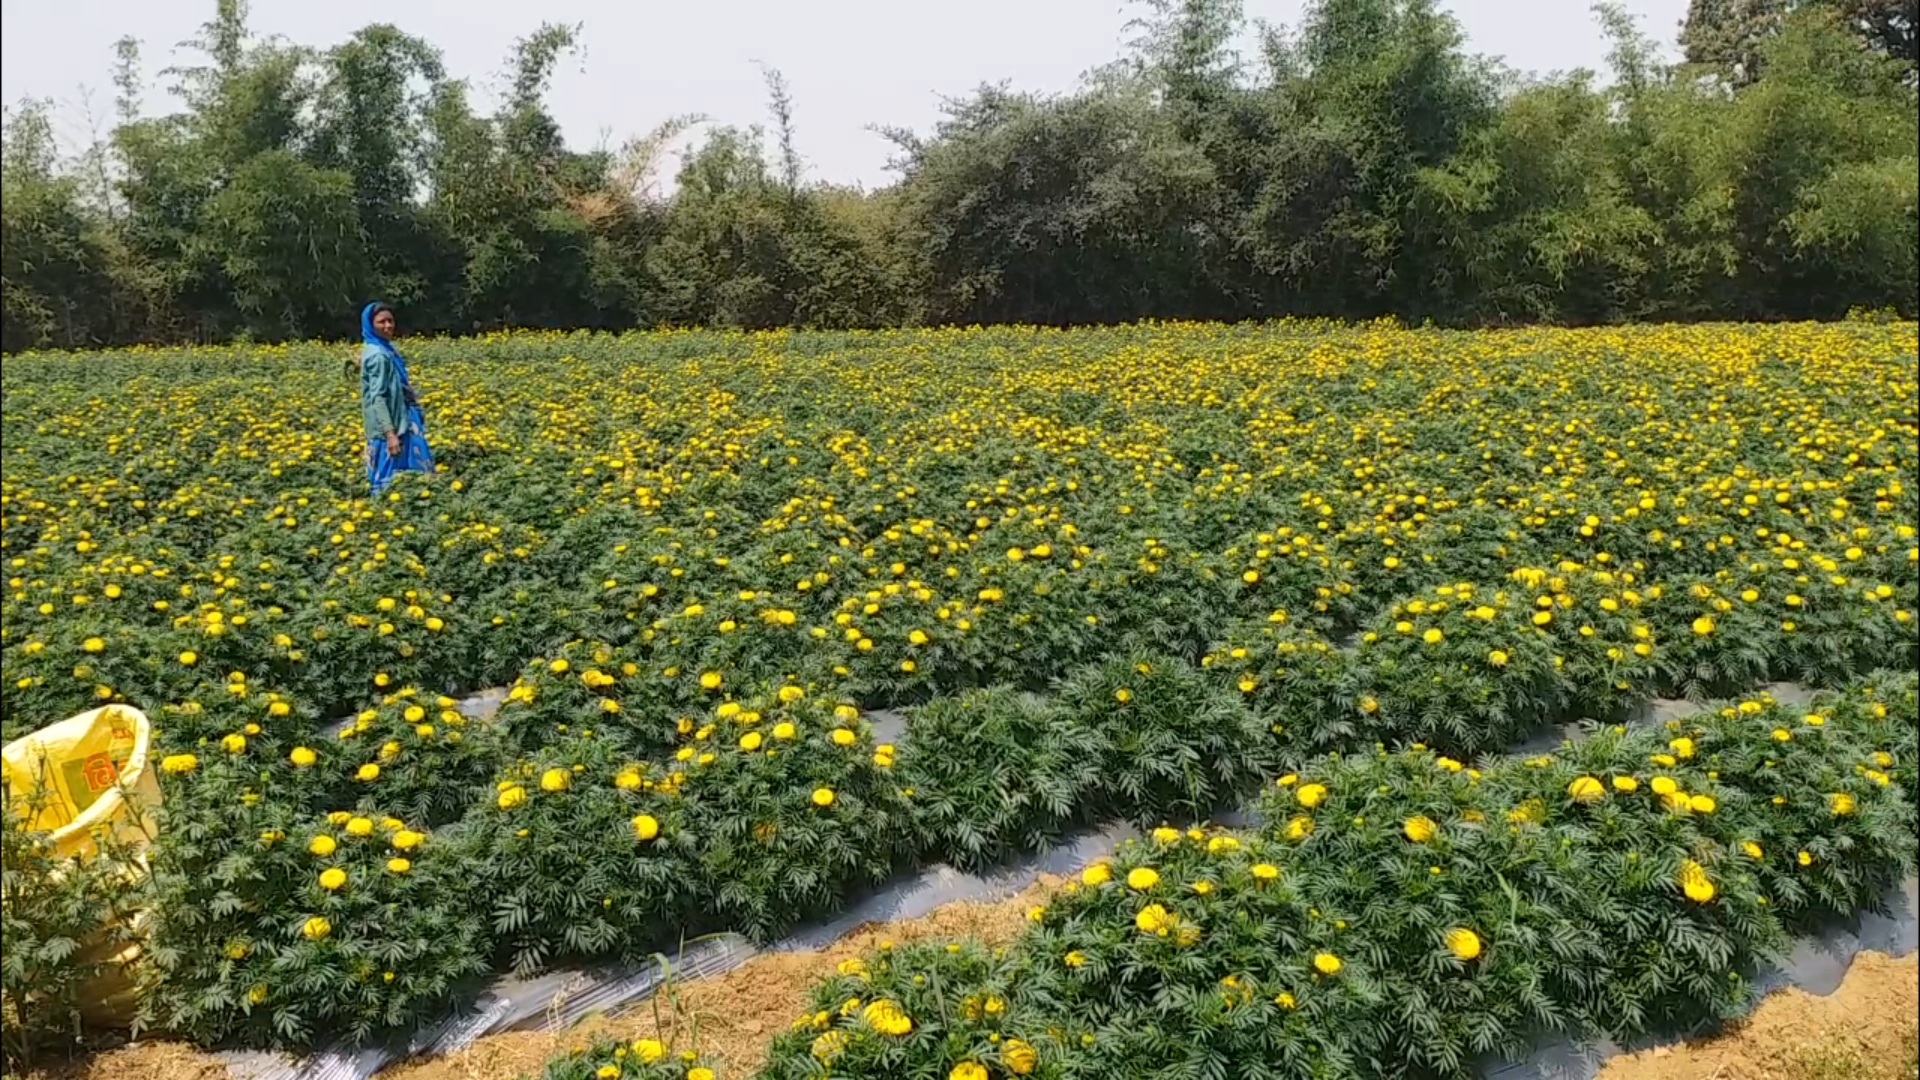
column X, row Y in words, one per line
column 383, row 323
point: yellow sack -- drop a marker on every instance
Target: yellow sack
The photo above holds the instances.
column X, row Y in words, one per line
column 94, row 773
column 75, row 780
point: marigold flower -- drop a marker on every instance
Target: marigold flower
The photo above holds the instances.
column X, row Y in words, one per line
column 1586, row 789
column 1463, row 943
column 1154, row 919
column 1695, row 883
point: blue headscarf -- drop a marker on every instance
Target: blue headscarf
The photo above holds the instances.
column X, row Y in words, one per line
column 374, row 338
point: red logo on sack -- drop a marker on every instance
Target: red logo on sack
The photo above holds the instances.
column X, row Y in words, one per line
column 101, row 773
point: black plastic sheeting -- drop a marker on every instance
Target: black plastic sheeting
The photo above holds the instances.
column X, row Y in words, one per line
column 557, row 1001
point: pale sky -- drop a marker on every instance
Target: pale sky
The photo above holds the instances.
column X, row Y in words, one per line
column 849, row 63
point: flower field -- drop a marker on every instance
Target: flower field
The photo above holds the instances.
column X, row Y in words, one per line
column 1134, row 573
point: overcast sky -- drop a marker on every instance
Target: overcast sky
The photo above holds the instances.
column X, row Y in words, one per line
column 850, row 63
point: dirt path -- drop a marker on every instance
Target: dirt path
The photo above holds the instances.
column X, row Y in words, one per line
column 1865, row 1030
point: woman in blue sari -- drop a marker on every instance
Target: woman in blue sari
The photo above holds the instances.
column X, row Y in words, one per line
column 396, row 429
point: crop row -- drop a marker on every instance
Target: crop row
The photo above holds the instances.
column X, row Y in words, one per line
column 1400, row 914
column 601, row 815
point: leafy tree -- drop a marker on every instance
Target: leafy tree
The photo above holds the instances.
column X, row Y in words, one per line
column 1360, row 164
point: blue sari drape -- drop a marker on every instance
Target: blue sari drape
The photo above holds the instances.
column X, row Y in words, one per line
column 415, row 454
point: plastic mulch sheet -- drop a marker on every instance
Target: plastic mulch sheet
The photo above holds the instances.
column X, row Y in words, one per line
column 558, row 1000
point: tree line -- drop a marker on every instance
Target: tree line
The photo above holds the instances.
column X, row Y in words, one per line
column 1362, row 164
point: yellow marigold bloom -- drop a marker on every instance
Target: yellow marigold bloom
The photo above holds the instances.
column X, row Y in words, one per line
column 1464, row 943
column 1695, row 883
column 1299, row 827
column 512, row 796
column 1703, row 625
column 1433, row 636
column 368, row 772
column 316, row 928
column 843, row 737
column 1097, row 874
column 823, row 797
column 1751, row 849
column 1420, row 829
column 1165, row 835
column 179, row 764
column 1142, row 878
column 1019, row 1057
column 645, row 827
column 234, row 744
column 333, row 879
column 969, row 1070
column 1262, row 872
column 1586, row 789
column 1327, row 964
column 323, row 845
column 1154, row 919
column 1664, row 785
column 649, row 1050
column 1682, row 746
column 710, row 680
column 556, row 780
column 359, row 826
column 1702, row 804
column 302, row 757
column 829, row 1045
column 750, row 741
column 407, row 839
column 1498, row 658
column 1625, row 784
column 784, row 731
column 1311, row 795
column 1286, row 1000
column 1841, row 803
